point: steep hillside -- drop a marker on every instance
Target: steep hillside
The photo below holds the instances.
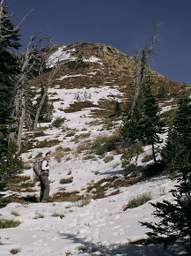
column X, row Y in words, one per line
column 88, row 212
column 90, row 64
column 87, row 67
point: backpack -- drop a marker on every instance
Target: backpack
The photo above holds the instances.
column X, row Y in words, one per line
column 37, row 167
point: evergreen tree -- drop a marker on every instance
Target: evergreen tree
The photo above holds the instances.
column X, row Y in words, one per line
column 150, row 123
column 143, row 126
column 9, row 69
column 175, row 217
column 177, row 152
column 132, row 134
column 162, row 92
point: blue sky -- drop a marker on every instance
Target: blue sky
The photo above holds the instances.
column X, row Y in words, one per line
column 124, row 24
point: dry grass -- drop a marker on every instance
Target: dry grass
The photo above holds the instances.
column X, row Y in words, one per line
column 47, row 143
column 21, row 184
column 83, row 146
column 78, row 106
column 4, row 223
column 58, row 122
column 100, row 145
column 137, row 201
column 60, row 153
column 66, row 180
column 67, row 196
column 58, row 214
column 108, row 159
column 147, row 158
column 107, row 113
column 15, row 213
column 39, row 133
column 70, row 133
column 85, row 201
column 15, row 251
column 90, row 157
column 98, row 189
column 81, row 136
column 104, row 144
column 38, row 216
column 28, row 144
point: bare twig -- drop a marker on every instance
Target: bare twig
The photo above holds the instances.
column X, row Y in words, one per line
column 17, row 27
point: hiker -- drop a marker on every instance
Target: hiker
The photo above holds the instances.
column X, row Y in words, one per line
column 44, row 180
column 41, row 169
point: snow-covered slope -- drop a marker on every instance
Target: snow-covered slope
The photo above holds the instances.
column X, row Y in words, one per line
column 99, row 227
column 86, row 215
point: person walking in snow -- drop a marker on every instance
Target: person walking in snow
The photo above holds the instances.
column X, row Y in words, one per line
column 44, row 178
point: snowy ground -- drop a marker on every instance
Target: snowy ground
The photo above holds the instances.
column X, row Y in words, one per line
column 100, row 224
column 98, row 227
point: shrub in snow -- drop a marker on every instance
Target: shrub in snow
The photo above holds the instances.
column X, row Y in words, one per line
column 66, row 180
column 39, row 216
column 15, row 250
column 108, row 159
column 58, row 214
column 15, row 213
column 104, row 144
column 138, row 200
column 58, row 122
column 147, row 158
column 47, row 143
column 4, row 223
column 58, row 155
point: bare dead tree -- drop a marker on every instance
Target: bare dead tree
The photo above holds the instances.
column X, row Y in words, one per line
column 28, row 60
column 50, row 80
column 20, row 100
column 141, row 67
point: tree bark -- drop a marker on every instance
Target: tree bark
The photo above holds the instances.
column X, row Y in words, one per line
column 154, row 154
column 40, row 108
column 21, row 125
column 50, row 80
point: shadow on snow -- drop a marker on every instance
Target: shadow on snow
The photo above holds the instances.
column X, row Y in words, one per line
column 90, row 248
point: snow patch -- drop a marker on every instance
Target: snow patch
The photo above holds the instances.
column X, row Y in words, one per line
column 60, row 55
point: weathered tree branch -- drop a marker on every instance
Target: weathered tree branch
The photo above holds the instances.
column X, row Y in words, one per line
column 142, row 64
column 49, row 82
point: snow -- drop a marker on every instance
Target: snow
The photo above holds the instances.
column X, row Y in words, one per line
column 101, row 222
column 166, row 109
column 100, row 226
column 69, row 76
column 63, row 54
column 60, row 55
column 94, row 94
column 93, row 59
column 77, row 75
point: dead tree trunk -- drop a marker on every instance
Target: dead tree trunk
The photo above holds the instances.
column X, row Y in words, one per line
column 142, row 65
column 140, row 72
column 49, row 82
column 19, row 103
column 21, row 124
column 37, row 115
